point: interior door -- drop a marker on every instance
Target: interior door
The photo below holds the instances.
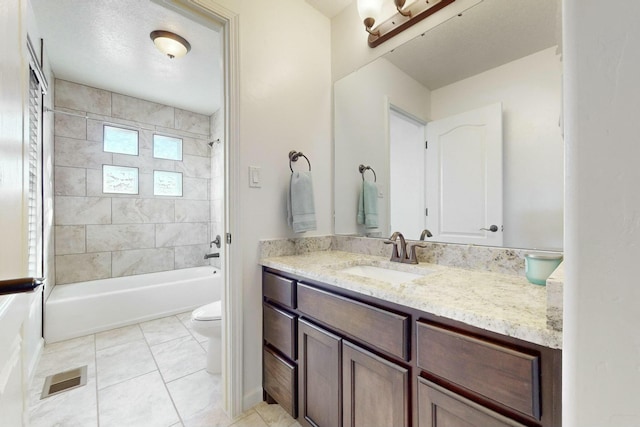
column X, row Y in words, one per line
column 464, row 177
column 406, row 177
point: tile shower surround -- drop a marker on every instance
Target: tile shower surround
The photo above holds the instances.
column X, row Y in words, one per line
column 111, row 235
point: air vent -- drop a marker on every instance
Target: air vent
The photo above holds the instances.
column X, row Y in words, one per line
column 64, row 381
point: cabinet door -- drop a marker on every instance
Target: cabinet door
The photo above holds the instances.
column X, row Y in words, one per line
column 319, row 356
column 375, row 391
column 439, row 407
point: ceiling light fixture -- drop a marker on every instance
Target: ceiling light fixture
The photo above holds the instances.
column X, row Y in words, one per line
column 403, row 19
column 170, row 44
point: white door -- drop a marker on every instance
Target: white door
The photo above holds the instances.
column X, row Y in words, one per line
column 464, row 177
column 406, row 174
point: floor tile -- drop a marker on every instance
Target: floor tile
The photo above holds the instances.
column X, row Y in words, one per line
column 72, row 408
column 252, row 420
column 118, row 336
column 274, row 415
column 73, row 345
column 163, row 330
column 179, row 357
column 197, row 393
column 140, row 402
column 123, row 362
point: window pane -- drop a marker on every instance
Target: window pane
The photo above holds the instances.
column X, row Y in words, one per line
column 167, row 147
column 122, row 141
column 167, row 183
column 119, row 179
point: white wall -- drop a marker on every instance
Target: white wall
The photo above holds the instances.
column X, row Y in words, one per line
column 349, row 49
column 285, row 104
column 530, row 91
column 361, row 114
column 601, row 355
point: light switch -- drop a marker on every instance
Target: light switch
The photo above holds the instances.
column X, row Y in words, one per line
column 254, row 177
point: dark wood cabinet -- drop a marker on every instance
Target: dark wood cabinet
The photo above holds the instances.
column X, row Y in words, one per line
column 319, row 381
column 337, row 358
column 439, row 407
column 375, row 391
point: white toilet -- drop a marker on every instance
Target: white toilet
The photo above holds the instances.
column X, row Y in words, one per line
column 206, row 321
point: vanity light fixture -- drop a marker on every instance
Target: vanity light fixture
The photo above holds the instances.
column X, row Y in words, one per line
column 400, row 21
column 170, row 44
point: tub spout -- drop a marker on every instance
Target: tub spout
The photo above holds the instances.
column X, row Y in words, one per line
column 214, row 255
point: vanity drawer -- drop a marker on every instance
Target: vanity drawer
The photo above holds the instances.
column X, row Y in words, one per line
column 279, row 289
column 380, row 328
column 505, row 375
column 279, row 330
column 279, row 379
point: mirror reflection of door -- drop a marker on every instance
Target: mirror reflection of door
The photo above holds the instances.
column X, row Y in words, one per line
column 464, row 177
column 406, row 174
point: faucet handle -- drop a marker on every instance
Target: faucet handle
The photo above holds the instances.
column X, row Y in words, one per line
column 413, row 257
column 395, row 256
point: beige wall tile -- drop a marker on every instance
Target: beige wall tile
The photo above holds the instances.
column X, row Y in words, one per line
column 82, row 210
column 70, row 126
column 140, row 261
column 82, row 98
column 194, row 166
column 80, row 153
column 196, row 147
column 78, row 268
column 139, row 110
column 70, row 181
column 102, row 238
column 195, row 188
column 192, row 122
column 192, row 256
column 181, row 234
column 192, row 211
column 132, row 211
column 70, row 239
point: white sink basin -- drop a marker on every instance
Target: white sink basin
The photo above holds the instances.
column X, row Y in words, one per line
column 383, row 274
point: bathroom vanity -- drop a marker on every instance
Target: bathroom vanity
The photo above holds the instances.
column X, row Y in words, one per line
column 453, row 347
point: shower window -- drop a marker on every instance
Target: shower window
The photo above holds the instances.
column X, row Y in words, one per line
column 167, row 147
column 119, row 179
column 120, row 140
column 167, row 183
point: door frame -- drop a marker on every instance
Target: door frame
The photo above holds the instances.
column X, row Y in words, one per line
column 232, row 319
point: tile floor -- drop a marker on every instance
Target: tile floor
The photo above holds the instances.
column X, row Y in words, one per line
column 149, row 374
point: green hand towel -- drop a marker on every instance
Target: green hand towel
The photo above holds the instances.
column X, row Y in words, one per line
column 368, row 205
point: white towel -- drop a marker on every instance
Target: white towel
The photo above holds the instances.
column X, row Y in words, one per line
column 301, row 210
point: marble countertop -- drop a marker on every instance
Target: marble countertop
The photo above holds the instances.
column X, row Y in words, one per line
column 506, row 304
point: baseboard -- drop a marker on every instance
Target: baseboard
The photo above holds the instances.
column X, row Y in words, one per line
column 252, row 399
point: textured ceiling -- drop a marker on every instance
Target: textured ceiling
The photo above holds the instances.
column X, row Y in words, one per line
column 106, row 44
column 488, row 35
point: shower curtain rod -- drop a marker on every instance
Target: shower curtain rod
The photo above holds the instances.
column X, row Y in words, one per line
column 52, row 110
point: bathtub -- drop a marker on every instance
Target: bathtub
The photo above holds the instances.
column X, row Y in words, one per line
column 84, row 308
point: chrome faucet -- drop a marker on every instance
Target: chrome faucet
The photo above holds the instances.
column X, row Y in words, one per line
column 404, row 256
column 425, row 233
column 395, row 257
column 213, row 255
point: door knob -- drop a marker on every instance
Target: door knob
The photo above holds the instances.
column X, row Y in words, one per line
column 492, row 228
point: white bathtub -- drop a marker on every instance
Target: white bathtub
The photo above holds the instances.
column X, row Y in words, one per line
column 84, row 308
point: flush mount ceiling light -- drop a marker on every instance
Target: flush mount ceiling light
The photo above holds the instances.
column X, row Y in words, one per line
column 369, row 11
column 170, row 44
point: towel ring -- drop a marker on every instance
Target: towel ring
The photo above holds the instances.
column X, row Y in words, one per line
column 363, row 169
column 294, row 156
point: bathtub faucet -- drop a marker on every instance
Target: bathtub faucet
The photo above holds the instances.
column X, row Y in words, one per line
column 215, row 255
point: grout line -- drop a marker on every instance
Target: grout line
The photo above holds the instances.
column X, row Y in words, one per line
column 164, row 382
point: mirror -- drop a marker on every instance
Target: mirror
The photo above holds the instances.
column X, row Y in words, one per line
column 500, row 53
